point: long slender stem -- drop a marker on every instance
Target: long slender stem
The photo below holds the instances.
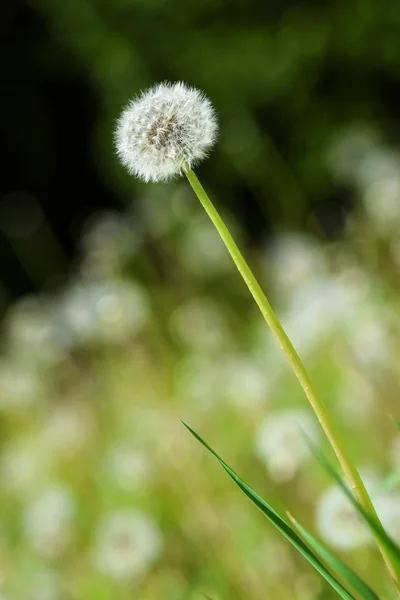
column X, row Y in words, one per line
column 295, row 362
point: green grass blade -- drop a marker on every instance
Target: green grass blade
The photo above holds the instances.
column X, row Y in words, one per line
column 389, row 482
column 339, row 567
column 395, row 421
column 390, row 545
column 392, row 479
column 278, row 523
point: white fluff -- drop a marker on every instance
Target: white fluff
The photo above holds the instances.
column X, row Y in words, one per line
column 127, row 544
column 167, row 129
column 280, row 443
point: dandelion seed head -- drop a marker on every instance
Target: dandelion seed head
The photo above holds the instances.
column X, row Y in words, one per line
column 280, row 443
column 127, row 544
column 168, row 128
column 338, row 522
column 48, row 520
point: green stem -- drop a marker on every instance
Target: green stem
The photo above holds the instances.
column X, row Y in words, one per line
column 295, row 362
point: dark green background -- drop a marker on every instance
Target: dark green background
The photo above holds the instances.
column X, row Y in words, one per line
column 284, row 76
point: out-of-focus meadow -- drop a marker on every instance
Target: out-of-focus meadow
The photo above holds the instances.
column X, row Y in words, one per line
column 103, row 493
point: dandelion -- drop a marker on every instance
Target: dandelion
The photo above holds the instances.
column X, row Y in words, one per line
column 166, row 130
column 24, row 465
column 198, row 381
column 382, row 201
column 280, row 442
column 317, row 307
column 293, row 259
column 128, row 542
column 338, row 522
column 355, row 398
column 388, row 509
column 67, row 430
column 380, row 164
column 128, row 467
column 47, row 521
column 348, row 150
column 370, row 339
column 246, row 384
column 200, row 325
column 20, row 385
column 106, row 311
column 34, row 322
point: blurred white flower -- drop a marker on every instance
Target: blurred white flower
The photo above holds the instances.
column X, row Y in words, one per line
column 388, row 508
column 355, row 398
column 317, row 307
column 202, row 251
column 378, row 164
column 128, row 467
column 127, row 544
column 199, row 382
column 291, row 260
column 245, row 382
column 105, row 311
column 348, row 149
column 280, row 442
column 109, row 239
column 20, row 385
column 48, row 520
column 370, row 338
column 200, row 325
column 169, row 128
column 67, row 429
column 381, row 199
column 24, row 464
column 338, row 522
column 359, row 158
column 35, row 331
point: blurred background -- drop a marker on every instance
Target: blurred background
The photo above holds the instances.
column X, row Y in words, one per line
column 121, row 312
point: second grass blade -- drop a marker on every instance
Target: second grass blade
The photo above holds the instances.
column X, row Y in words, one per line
column 279, row 524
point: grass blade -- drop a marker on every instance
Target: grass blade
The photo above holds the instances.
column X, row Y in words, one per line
column 345, row 573
column 389, row 482
column 395, row 421
column 278, row 523
column 390, row 545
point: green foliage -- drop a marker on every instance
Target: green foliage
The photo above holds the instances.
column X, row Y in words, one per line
column 385, row 539
column 285, row 77
column 343, row 572
column 346, row 574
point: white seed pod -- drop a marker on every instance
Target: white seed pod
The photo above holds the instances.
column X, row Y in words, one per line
column 167, row 129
